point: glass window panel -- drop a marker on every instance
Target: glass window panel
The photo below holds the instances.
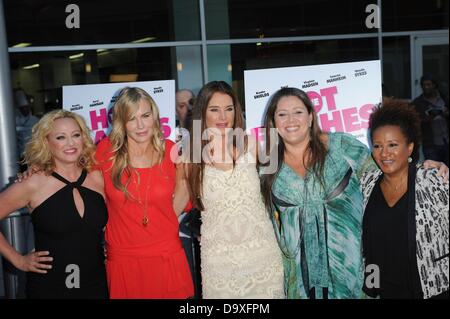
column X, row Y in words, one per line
column 411, row 15
column 42, row 74
column 435, row 62
column 285, row 54
column 396, row 67
column 104, row 21
column 267, row 18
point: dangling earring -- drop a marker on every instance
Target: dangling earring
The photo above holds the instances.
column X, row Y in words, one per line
column 82, row 161
column 409, row 159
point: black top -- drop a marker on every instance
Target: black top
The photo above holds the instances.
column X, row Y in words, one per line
column 74, row 242
column 385, row 243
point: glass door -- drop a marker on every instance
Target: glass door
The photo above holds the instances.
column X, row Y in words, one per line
column 431, row 57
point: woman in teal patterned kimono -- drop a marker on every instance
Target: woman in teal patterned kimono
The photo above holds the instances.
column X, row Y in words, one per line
column 316, row 200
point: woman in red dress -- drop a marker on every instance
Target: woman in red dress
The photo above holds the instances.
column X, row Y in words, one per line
column 145, row 258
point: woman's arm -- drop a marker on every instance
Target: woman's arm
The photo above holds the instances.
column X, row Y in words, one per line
column 440, row 199
column 442, row 168
column 13, row 198
column 356, row 154
column 181, row 194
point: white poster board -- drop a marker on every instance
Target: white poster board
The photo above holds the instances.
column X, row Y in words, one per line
column 94, row 103
column 343, row 94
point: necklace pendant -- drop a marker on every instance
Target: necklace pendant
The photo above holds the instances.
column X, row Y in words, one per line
column 145, row 221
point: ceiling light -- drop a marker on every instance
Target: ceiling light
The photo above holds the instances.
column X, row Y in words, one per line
column 32, row 66
column 21, row 45
column 76, row 56
column 143, row 40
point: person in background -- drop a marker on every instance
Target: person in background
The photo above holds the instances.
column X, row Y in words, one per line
column 189, row 233
column 25, row 121
column 433, row 111
column 65, row 198
column 189, row 220
column 183, row 99
column 406, row 219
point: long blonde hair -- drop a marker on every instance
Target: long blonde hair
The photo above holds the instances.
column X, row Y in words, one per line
column 37, row 152
column 126, row 105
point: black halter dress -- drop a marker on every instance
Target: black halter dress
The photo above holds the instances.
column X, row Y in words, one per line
column 74, row 242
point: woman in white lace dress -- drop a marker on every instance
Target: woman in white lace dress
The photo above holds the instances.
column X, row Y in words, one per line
column 240, row 257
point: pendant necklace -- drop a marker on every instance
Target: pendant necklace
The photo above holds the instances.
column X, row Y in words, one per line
column 144, row 204
column 145, row 218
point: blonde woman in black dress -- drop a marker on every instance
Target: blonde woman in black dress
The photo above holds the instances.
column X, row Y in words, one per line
column 66, row 202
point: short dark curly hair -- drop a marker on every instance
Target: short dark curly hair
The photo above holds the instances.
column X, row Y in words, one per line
column 398, row 113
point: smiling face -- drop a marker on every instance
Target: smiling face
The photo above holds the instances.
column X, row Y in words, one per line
column 140, row 126
column 220, row 112
column 391, row 149
column 65, row 141
column 292, row 120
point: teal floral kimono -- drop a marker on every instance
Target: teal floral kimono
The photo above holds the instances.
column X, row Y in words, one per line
column 319, row 228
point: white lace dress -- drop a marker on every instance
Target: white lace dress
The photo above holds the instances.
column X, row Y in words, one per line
column 240, row 257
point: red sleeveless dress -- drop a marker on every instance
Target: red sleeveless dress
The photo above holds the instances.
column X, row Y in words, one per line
column 144, row 261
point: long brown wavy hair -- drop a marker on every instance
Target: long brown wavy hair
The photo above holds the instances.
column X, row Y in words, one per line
column 126, row 105
column 196, row 170
column 316, row 151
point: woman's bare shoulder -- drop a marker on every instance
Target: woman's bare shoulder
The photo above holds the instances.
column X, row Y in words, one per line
column 37, row 181
column 96, row 177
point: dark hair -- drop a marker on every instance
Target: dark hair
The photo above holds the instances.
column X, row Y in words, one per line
column 314, row 157
column 398, row 113
column 428, row 77
column 195, row 171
